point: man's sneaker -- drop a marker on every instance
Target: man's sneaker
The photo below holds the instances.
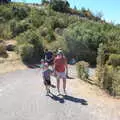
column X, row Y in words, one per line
column 48, row 90
column 65, row 93
column 47, row 93
column 58, row 94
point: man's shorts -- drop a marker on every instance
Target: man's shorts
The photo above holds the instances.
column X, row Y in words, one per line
column 61, row 75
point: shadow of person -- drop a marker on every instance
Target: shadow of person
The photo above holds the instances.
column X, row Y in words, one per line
column 53, row 86
column 76, row 100
column 56, row 98
column 68, row 77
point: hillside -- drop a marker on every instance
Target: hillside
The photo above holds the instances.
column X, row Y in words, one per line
column 79, row 33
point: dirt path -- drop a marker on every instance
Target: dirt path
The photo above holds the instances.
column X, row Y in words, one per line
column 22, row 97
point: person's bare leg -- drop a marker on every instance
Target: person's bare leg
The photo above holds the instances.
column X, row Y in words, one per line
column 64, row 85
column 58, row 85
column 46, row 89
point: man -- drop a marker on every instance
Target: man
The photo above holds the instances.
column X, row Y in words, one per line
column 49, row 57
column 60, row 67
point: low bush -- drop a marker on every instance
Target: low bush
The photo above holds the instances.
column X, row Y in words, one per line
column 17, row 28
column 111, row 80
column 30, row 43
column 26, row 51
column 114, row 60
column 3, row 52
column 82, row 69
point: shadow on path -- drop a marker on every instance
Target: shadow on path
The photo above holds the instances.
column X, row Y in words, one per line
column 76, row 100
column 68, row 77
column 62, row 99
column 56, row 98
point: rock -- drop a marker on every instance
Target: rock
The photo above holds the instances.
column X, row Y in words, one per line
column 1, row 41
column 10, row 47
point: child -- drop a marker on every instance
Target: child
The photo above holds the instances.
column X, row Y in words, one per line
column 46, row 77
column 42, row 62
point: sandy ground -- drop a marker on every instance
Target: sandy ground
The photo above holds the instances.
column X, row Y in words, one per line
column 82, row 88
column 12, row 63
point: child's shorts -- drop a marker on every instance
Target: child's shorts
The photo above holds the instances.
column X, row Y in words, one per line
column 47, row 82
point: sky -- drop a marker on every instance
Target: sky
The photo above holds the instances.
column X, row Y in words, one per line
column 109, row 8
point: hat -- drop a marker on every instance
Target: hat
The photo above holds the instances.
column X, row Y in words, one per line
column 60, row 50
column 59, row 53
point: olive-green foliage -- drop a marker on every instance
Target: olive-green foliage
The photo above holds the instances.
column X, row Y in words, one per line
column 2, row 48
column 26, row 51
column 5, row 31
column 60, row 5
column 3, row 52
column 18, row 11
column 18, row 27
column 111, row 80
column 114, row 60
column 59, row 43
column 82, row 69
column 32, row 44
column 37, row 17
column 108, row 61
column 82, row 41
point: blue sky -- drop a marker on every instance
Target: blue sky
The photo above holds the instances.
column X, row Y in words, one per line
column 109, row 8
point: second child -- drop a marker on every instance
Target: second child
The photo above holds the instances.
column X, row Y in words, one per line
column 46, row 73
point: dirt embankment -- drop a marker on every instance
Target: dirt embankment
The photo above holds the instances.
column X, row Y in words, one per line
column 12, row 62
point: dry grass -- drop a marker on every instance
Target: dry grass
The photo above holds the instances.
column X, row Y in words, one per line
column 12, row 63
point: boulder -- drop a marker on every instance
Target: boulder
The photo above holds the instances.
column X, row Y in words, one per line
column 10, row 47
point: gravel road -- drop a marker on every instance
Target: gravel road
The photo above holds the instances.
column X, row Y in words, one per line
column 23, row 97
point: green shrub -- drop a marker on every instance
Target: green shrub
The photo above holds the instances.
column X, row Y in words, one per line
column 83, row 42
column 3, row 52
column 32, row 40
column 20, row 12
column 2, row 48
column 111, row 80
column 17, row 28
column 114, row 60
column 50, row 36
column 82, row 69
column 55, row 22
column 59, row 43
column 44, row 31
column 6, row 12
column 36, row 18
column 5, row 31
column 116, row 83
column 26, row 51
column 59, row 5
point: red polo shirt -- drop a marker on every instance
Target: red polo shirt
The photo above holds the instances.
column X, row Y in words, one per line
column 60, row 63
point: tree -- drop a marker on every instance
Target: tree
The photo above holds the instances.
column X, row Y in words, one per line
column 44, row 2
column 59, row 5
column 4, row 1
